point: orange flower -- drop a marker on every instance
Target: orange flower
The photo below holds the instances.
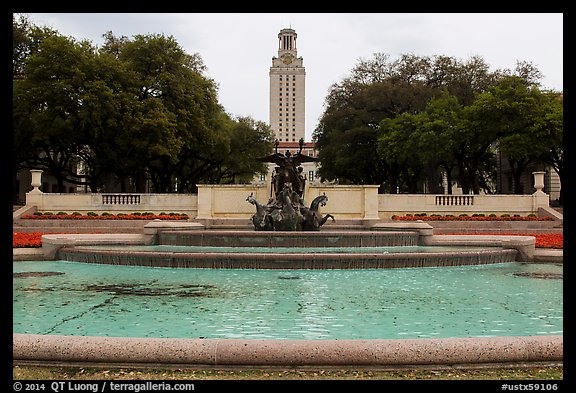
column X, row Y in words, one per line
column 175, row 216
column 437, row 217
column 26, row 240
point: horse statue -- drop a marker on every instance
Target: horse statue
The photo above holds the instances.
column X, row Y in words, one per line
column 262, row 220
column 313, row 220
column 288, row 218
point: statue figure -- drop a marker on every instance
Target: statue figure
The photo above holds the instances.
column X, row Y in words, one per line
column 288, row 218
column 286, row 210
column 262, row 220
column 313, row 220
column 288, row 169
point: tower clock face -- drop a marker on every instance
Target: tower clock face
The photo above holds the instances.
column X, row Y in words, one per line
column 287, row 58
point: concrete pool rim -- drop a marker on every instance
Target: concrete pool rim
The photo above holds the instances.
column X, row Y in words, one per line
column 285, row 353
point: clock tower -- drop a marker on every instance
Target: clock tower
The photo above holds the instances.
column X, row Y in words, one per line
column 287, row 82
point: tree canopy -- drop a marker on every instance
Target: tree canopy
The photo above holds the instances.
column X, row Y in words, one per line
column 405, row 124
column 131, row 111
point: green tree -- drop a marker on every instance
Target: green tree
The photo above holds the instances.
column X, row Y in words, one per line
column 398, row 143
column 508, row 115
column 21, row 138
column 187, row 138
column 425, row 141
column 379, row 89
column 130, row 111
column 438, row 136
column 248, row 140
column 374, row 117
column 550, row 129
column 47, row 101
column 170, row 96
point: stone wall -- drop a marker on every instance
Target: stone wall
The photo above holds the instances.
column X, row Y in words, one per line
column 345, row 202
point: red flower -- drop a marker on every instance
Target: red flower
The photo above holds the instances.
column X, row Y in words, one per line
column 105, row 217
column 26, row 240
column 470, row 218
column 543, row 240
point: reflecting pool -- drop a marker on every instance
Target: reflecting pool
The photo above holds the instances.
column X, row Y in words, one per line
column 71, row 298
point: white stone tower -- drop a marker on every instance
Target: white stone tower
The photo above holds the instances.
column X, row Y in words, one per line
column 287, row 83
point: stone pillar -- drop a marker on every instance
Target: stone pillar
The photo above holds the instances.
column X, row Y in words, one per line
column 36, row 181
column 371, row 203
column 205, row 201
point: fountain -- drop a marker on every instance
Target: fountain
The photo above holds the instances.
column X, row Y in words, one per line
column 286, row 210
column 286, row 236
column 288, row 250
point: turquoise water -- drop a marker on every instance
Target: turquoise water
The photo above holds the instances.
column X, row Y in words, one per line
column 70, row 298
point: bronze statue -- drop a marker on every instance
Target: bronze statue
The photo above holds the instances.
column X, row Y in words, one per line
column 288, row 169
column 286, row 210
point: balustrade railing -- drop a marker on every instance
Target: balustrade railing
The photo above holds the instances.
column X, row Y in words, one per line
column 454, row 200
column 120, row 199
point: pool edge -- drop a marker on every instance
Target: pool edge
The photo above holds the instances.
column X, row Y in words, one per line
column 254, row 352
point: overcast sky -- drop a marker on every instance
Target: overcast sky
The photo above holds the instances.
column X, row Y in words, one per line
column 237, row 48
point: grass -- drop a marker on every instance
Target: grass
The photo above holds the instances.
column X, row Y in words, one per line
column 21, row 372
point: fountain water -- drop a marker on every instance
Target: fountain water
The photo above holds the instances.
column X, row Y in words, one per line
column 288, row 250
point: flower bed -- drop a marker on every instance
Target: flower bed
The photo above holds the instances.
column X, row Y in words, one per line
column 543, row 240
column 104, row 216
column 26, row 240
column 473, row 217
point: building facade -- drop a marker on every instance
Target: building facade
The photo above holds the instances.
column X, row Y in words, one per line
column 287, row 90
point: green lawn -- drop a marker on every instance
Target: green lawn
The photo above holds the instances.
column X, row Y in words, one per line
column 77, row 373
